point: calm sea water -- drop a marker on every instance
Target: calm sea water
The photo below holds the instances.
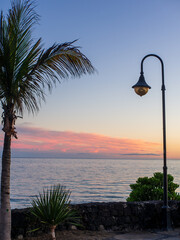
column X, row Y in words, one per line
column 90, row 180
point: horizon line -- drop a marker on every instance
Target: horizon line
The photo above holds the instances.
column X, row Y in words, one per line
column 93, row 158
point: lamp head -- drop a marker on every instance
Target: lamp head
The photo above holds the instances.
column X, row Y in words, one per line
column 141, row 87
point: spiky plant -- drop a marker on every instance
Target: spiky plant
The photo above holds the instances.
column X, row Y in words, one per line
column 52, row 207
column 26, row 71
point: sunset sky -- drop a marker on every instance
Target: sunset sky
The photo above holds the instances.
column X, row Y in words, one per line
column 100, row 116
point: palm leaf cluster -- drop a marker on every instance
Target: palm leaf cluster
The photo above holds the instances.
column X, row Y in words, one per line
column 26, row 68
column 52, row 207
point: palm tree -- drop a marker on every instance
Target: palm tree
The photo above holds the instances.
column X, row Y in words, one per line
column 26, row 70
column 52, row 207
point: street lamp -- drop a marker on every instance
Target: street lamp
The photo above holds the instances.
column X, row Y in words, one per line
column 141, row 88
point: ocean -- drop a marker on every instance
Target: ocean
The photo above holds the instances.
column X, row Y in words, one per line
column 89, row 180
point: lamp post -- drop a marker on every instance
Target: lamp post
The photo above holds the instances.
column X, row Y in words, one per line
column 141, row 88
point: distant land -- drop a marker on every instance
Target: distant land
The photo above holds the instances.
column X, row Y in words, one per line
column 32, row 154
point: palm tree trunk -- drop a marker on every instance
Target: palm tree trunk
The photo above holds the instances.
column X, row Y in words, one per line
column 5, row 218
column 53, row 235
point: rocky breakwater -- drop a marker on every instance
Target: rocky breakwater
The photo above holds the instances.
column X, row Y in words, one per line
column 120, row 216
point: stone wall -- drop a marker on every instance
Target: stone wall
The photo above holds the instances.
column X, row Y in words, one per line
column 121, row 216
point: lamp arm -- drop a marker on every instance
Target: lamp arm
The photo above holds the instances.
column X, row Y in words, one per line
column 162, row 66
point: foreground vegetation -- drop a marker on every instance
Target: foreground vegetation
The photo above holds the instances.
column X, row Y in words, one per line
column 52, row 207
column 146, row 188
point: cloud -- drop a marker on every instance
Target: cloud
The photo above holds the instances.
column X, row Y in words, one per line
column 38, row 142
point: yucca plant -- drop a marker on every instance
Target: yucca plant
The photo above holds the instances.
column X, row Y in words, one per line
column 52, row 207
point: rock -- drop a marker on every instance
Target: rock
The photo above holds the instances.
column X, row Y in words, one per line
column 20, row 237
column 101, row 228
column 72, row 227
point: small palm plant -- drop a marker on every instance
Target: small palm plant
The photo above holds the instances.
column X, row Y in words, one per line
column 52, row 207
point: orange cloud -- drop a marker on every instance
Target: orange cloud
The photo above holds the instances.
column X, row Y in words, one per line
column 42, row 142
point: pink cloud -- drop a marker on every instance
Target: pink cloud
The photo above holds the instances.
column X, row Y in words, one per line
column 66, row 143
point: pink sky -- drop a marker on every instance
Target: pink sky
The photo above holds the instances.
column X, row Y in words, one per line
column 81, row 145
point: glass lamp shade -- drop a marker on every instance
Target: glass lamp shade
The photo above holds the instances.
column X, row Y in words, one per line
column 141, row 87
column 141, row 90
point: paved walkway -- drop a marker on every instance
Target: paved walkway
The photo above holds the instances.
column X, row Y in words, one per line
column 159, row 235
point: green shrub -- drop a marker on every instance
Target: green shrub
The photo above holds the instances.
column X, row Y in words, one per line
column 146, row 189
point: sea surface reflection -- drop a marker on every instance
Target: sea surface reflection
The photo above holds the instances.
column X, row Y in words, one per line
column 90, row 180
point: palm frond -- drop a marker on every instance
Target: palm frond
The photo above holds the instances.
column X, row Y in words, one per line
column 64, row 60
column 43, row 68
column 15, row 42
column 27, row 69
